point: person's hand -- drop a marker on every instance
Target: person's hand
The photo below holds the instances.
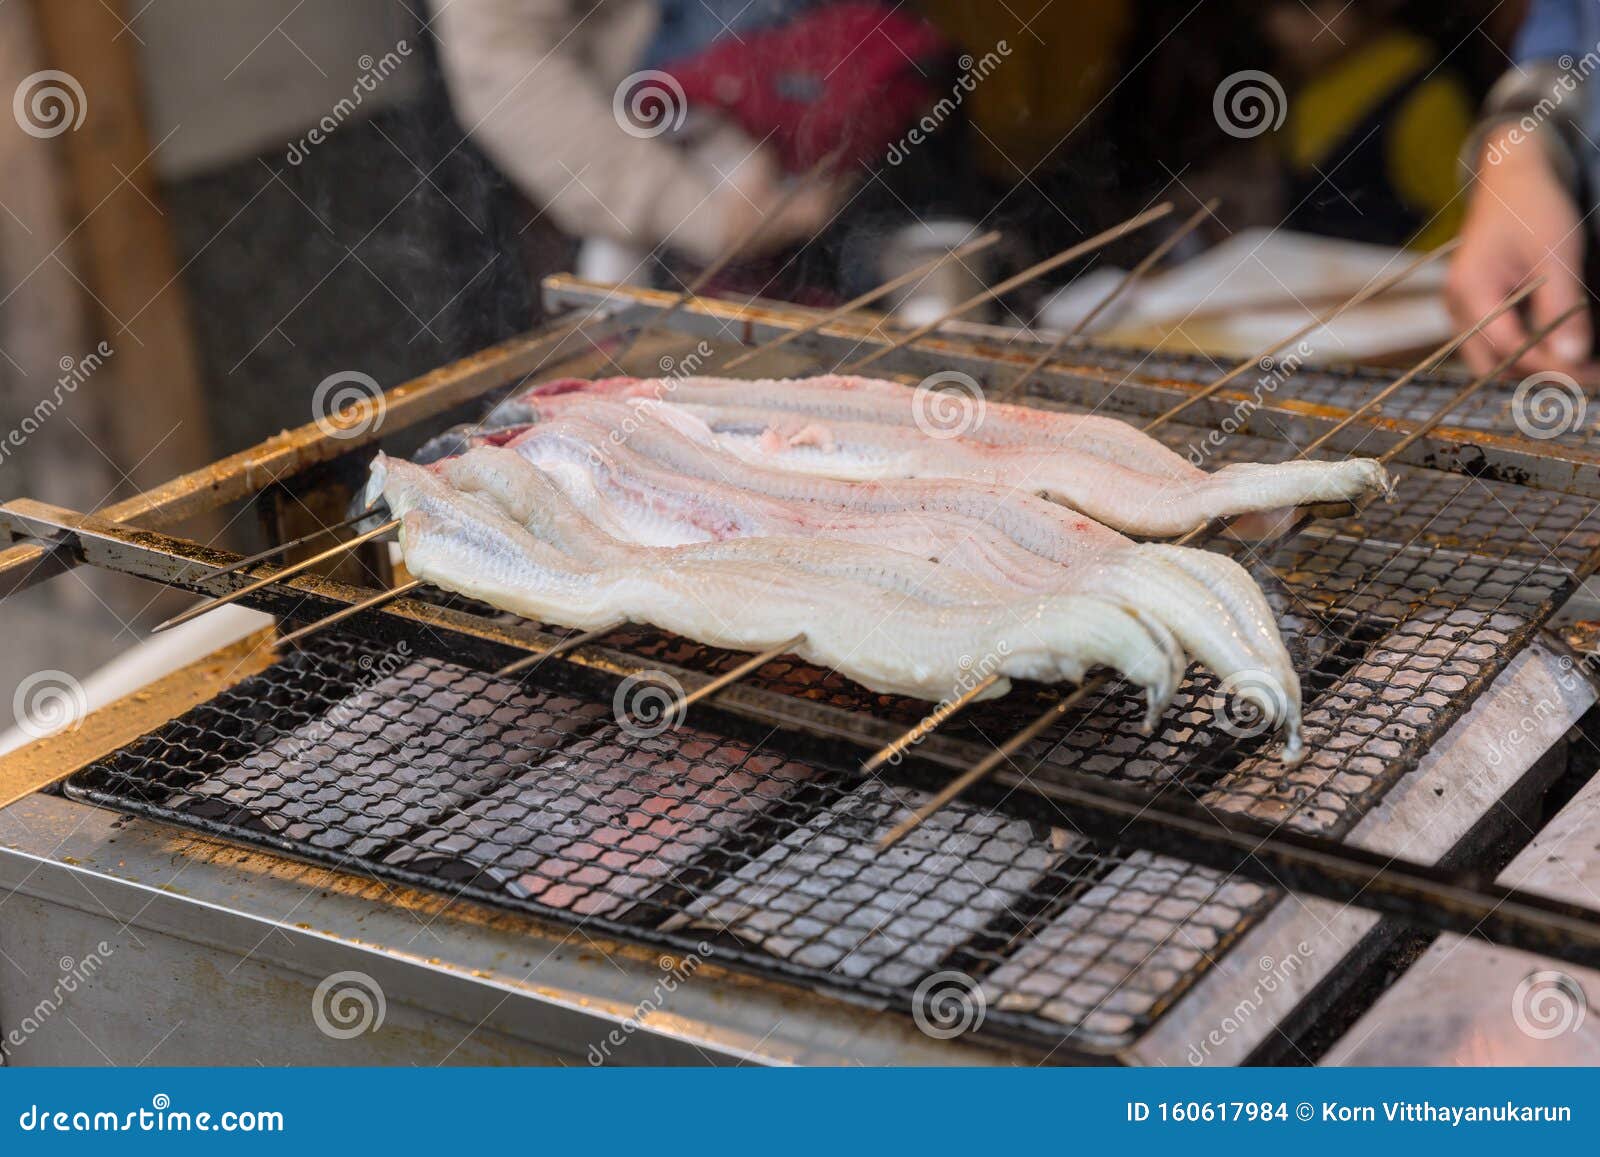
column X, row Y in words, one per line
column 751, row 189
column 1521, row 224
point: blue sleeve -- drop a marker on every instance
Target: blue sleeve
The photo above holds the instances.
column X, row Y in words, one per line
column 1551, row 29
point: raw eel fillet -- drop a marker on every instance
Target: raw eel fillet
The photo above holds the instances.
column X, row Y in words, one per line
column 891, row 621
column 826, row 897
column 644, row 481
column 863, row 429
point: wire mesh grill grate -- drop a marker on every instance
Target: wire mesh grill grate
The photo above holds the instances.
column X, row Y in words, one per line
column 416, row 770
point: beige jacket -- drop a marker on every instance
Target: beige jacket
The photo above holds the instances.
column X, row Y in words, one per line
column 533, row 81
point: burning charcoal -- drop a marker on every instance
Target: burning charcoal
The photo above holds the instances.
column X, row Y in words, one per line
column 392, row 756
column 609, row 818
column 826, row 898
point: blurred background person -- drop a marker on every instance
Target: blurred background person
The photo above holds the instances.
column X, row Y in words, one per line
column 1533, row 165
column 650, row 126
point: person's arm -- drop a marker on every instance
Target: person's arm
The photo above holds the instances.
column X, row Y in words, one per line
column 1523, row 219
column 523, row 91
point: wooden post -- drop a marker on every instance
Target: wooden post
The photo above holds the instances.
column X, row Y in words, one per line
column 153, row 402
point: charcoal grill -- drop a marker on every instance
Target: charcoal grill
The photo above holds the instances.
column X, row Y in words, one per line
column 385, row 748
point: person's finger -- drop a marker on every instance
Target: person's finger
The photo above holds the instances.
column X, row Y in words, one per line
column 1461, row 293
column 1496, row 339
column 1568, row 345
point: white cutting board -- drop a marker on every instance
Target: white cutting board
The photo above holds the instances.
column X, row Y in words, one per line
column 1260, row 285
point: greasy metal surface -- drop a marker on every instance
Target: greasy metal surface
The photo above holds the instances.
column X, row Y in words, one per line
column 232, row 942
column 281, row 457
column 45, row 761
column 1468, row 1003
column 1481, row 441
column 1472, row 790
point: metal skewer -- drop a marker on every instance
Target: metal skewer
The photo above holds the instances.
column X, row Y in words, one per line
column 283, row 575
column 922, row 271
column 685, row 701
column 284, row 547
column 1432, row 361
column 1479, row 383
column 1099, row 240
column 1128, row 280
column 353, row 609
column 988, row 764
column 1371, row 290
column 739, row 245
column 567, row 643
column 925, row 727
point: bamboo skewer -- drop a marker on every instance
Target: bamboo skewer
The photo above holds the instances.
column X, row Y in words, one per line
column 353, row 609
column 1432, row 361
column 1039, row 725
column 728, row 678
column 940, row 714
column 994, row 292
column 1478, row 383
column 1129, row 279
column 287, row 573
column 926, row 269
column 568, row 642
column 925, row 727
column 986, row 765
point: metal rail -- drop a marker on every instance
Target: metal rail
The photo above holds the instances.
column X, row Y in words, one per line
column 289, row 454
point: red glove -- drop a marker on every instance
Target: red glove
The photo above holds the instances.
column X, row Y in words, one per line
column 835, row 77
